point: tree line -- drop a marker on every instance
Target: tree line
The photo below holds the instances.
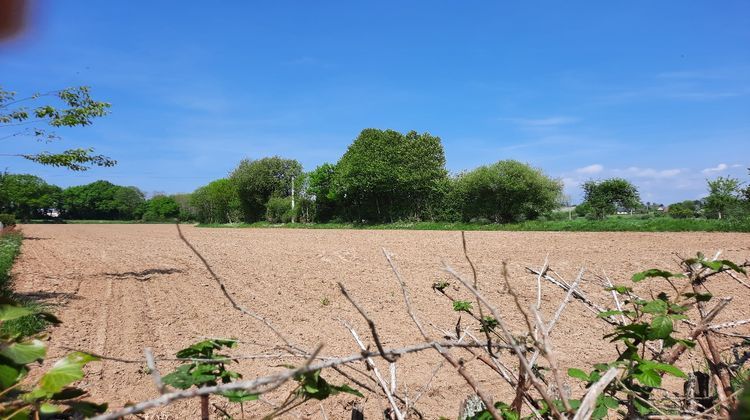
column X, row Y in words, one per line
column 384, row 176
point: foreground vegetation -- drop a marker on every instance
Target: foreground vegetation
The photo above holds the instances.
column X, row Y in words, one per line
column 10, row 246
column 612, row 224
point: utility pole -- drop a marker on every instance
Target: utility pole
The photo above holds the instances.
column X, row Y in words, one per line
column 292, row 199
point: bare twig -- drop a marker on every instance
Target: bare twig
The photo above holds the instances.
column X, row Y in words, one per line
column 229, row 297
column 266, row 383
column 698, row 330
column 370, row 323
column 593, row 307
column 589, row 401
column 155, row 375
column 739, row 280
column 459, row 366
column 388, row 391
column 549, row 354
column 615, row 297
column 540, row 387
column 730, row 324
column 542, row 272
column 476, row 286
column 559, row 312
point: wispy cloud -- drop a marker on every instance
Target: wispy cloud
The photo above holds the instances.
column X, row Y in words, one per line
column 637, row 172
column 591, row 169
column 718, row 168
column 553, row 121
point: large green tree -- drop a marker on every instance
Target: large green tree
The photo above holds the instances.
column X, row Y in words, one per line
column 160, row 208
column 606, row 196
column 217, row 202
column 507, row 191
column 724, row 195
column 102, row 200
column 257, row 181
column 27, row 196
column 38, row 116
column 385, row 175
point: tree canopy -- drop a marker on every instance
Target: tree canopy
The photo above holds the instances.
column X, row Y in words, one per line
column 385, row 175
column 724, row 194
column 27, row 196
column 507, row 191
column 258, row 180
column 102, row 200
column 217, row 202
column 606, row 196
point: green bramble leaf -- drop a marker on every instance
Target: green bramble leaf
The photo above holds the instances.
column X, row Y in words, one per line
column 461, row 305
column 655, row 307
column 64, row 372
column 578, row 374
column 654, row 272
column 661, row 327
column 24, row 352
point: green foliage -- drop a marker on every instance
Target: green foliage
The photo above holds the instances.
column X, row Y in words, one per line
column 312, row 386
column 217, row 202
column 642, row 324
column 52, row 394
column 488, row 324
column 27, row 196
column 7, row 220
column 505, row 411
column 507, row 191
column 462, row 305
column 440, row 285
column 387, row 176
column 742, row 412
column 257, row 181
column 684, row 209
column 605, row 197
column 186, row 211
column 724, row 195
column 205, row 367
column 321, row 188
column 160, row 208
column 10, row 246
column 279, row 210
column 102, row 200
column 75, row 108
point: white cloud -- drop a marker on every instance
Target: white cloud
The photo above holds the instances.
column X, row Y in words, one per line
column 637, row 172
column 718, row 168
column 543, row 122
column 591, row 169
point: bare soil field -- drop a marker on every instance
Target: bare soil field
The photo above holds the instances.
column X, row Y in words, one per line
column 121, row 288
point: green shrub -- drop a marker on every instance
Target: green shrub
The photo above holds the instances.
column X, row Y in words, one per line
column 7, row 219
column 507, row 191
column 279, row 210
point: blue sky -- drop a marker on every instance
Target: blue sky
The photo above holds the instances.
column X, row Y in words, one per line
column 656, row 92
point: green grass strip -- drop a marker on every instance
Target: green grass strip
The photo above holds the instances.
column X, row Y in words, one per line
column 612, row 224
column 10, row 246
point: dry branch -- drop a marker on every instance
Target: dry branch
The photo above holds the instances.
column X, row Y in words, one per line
column 388, row 391
column 229, row 297
column 540, row 387
column 589, row 401
column 155, row 375
column 459, row 366
column 370, row 323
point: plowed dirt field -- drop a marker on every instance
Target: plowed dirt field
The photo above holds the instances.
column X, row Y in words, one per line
column 121, row 288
